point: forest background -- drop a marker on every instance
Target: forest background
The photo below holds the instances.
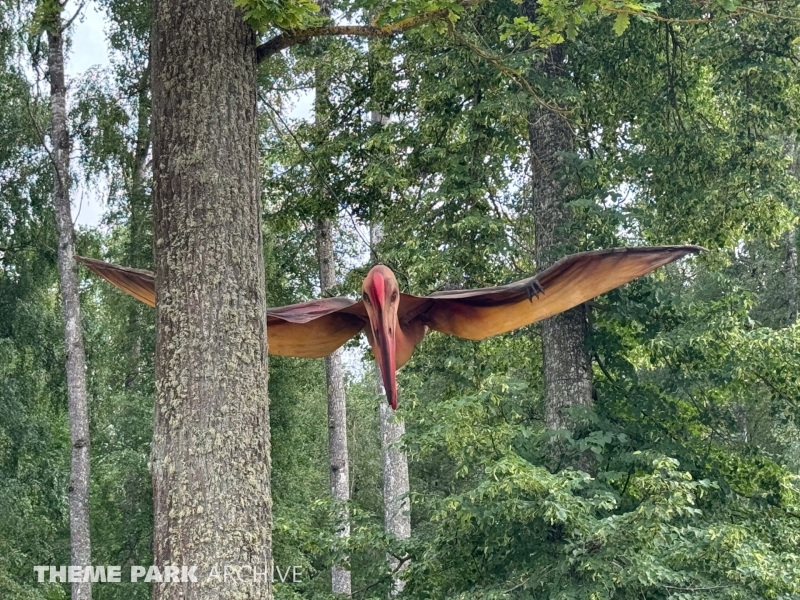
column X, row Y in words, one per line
column 686, row 128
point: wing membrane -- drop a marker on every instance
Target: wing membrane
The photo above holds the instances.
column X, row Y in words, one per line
column 312, row 329
column 481, row 313
column 308, row 330
column 136, row 282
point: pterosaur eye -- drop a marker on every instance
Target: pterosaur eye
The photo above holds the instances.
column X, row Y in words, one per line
column 394, row 297
column 365, row 297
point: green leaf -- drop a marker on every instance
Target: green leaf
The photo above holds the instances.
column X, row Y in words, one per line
column 621, row 23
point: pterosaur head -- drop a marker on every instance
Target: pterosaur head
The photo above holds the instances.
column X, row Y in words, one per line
column 381, row 296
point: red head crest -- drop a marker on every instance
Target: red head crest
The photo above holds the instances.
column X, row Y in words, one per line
column 381, row 296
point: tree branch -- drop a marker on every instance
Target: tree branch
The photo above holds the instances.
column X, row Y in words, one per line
column 388, row 576
column 72, row 18
column 42, row 140
column 303, row 36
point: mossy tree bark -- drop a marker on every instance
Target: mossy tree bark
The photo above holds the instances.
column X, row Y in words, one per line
column 80, row 542
column 567, row 364
column 211, row 447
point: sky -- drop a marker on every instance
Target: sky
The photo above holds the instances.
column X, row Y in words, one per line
column 89, row 49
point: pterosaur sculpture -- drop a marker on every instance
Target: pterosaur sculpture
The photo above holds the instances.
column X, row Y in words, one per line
column 395, row 323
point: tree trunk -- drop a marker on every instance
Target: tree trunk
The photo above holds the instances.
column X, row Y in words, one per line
column 567, row 365
column 140, row 210
column 80, row 542
column 790, row 248
column 790, row 269
column 211, row 447
column 140, row 222
column 334, row 371
column 396, row 504
column 337, row 411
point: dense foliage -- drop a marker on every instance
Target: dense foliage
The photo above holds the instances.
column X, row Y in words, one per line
column 687, row 129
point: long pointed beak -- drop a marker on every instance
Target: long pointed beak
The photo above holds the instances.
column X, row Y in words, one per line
column 384, row 334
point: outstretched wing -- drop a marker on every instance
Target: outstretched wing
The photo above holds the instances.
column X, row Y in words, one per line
column 482, row 313
column 138, row 283
column 312, row 329
column 308, row 330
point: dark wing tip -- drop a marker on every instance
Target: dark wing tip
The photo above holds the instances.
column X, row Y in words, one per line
column 94, row 263
column 688, row 248
column 85, row 260
column 136, row 282
column 304, row 312
column 683, row 250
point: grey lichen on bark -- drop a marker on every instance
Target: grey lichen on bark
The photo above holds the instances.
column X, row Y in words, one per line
column 211, row 446
column 567, row 364
column 396, row 488
column 78, row 492
column 337, row 411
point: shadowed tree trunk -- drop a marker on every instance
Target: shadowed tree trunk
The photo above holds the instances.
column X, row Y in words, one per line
column 140, row 210
column 337, row 410
column 140, row 222
column 790, row 268
column 211, row 447
column 567, row 365
column 80, row 543
column 396, row 504
column 790, row 250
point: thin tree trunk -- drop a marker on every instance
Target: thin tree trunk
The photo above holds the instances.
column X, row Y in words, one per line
column 140, row 222
column 337, row 411
column 790, row 247
column 334, row 371
column 141, row 216
column 790, row 269
column 80, row 542
column 211, row 447
column 567, row 365
column 396, row 488
column 396, row 503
